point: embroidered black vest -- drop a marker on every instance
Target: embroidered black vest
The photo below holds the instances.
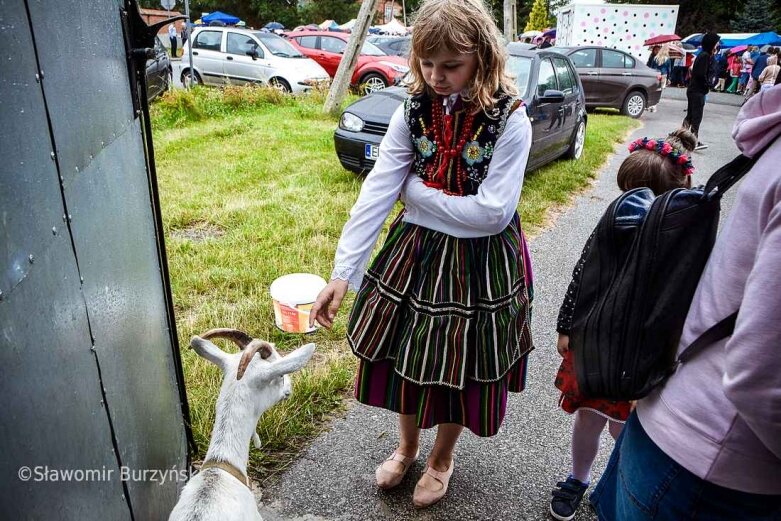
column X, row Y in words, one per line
column 467, row 169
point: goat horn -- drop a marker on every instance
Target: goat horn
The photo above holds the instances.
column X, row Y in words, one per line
column 240, row 338
column 255, row 346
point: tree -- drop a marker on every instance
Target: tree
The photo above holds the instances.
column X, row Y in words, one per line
column 283, row 11
column 538, row 18
column 757, row 16
column 339, row 10
column 553, row 7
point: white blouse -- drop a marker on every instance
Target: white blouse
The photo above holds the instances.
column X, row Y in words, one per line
column 488, row 212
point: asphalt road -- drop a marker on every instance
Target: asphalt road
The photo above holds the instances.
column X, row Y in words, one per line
column 509, row 476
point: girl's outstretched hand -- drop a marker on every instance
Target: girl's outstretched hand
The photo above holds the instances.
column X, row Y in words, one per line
column 327, row 304
column 562, row 346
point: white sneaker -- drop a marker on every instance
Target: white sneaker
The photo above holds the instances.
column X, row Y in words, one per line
column 700, row 146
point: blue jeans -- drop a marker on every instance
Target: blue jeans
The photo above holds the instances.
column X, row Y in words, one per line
column 641, row 482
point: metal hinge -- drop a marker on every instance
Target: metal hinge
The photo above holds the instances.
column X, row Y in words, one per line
column 139, row 47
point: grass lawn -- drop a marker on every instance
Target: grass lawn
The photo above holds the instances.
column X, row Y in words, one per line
column 251, row 189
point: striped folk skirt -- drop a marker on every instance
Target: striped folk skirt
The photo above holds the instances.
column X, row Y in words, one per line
column 441, row 326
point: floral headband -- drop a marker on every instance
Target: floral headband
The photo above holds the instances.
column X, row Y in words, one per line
column 664, row 148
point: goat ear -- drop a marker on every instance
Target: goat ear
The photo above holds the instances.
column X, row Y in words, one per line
column 210, row 352
column 292, row 362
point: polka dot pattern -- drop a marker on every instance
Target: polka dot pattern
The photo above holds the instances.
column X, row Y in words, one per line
column 621, row 28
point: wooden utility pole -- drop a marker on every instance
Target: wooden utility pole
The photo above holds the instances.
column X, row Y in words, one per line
column 333, row 103
column 510, row 20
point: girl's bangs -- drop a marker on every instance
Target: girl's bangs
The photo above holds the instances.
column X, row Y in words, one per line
column 429, row 39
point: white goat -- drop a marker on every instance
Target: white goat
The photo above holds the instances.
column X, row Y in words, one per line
column 250, row 385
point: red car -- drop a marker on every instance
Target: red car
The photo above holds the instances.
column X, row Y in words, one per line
column 375, row 70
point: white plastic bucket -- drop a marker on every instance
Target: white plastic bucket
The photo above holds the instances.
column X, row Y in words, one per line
column 293, row 296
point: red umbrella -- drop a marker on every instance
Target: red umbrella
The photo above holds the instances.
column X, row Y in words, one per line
column 662, row 38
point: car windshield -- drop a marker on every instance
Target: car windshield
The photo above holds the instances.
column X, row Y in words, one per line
column 369, row 49
column 278, row 46
column 519, row 67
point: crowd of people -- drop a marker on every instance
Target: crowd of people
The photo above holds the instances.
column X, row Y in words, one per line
column 441, row 320
column 748, row 72
column 745, row 72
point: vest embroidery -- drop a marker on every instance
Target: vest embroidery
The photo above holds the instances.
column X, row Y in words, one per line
column 453, row 151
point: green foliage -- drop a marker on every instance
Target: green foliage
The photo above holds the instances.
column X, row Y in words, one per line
column 283, row 11
column 757, row 16
column 538, row 18
column 180, row 107
column 339, row 10
column 553, row 7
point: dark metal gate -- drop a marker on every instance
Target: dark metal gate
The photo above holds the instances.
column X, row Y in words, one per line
column 94, row 420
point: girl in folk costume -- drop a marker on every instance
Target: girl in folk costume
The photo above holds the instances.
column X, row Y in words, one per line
column 661, row 165
column 440, row 322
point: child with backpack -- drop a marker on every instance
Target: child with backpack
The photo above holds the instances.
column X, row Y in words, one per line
column 661, row 165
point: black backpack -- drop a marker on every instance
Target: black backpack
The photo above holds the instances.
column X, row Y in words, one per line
column 642, row 267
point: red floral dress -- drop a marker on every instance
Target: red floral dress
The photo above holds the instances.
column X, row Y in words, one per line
column 571, row 400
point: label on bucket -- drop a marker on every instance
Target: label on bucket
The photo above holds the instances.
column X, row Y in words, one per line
column 289, row 318
column 293, row 319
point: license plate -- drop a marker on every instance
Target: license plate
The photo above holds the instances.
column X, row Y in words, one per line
column 371, row 151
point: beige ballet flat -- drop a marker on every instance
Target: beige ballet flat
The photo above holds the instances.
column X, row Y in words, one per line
column 388, row 479
column 424, row 497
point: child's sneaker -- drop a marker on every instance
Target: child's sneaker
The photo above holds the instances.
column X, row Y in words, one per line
column 566, row 498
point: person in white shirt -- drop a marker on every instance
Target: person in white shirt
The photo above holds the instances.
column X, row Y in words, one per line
column 172, row 39
column 441, row 319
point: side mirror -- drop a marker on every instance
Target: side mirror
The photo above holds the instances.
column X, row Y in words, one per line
column 552, row 96
column 253, row 53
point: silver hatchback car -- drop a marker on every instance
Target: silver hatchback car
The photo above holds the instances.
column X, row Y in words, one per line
column 228, row 56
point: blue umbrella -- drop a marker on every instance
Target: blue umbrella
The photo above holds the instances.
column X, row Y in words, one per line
column 218, row 16
column 274, row 26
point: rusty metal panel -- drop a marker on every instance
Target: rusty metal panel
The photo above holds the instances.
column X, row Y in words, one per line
column 86, row 331
column 53, row 418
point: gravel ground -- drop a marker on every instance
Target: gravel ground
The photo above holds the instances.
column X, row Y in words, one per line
column 510, row 475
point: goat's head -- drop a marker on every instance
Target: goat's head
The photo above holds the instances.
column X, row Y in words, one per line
column 257, row 367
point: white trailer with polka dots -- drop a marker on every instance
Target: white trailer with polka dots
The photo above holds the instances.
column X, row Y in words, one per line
column 620, row 26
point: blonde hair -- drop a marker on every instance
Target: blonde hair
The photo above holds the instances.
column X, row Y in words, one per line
column 461, row 26
column 663, row 54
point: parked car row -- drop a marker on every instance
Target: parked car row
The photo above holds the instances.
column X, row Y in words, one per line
column 547, row 83
column 374, row 70
column 226, row 55
column 304, row 59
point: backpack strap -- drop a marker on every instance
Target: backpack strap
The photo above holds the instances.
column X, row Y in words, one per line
column 729, row 174
column 719, row 331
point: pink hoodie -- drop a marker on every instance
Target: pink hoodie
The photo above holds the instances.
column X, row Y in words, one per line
column 719, row 415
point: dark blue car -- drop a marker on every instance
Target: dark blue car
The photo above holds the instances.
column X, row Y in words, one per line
column 547, row 82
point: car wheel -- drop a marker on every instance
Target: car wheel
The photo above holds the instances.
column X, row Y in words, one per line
column 634, row 104
column 578, row 141
column 280, row 84
column 372, row 83
column 186, row 77
column 168, row 81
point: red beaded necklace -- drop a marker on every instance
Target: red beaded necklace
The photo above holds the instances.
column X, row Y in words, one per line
column 447, row 148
